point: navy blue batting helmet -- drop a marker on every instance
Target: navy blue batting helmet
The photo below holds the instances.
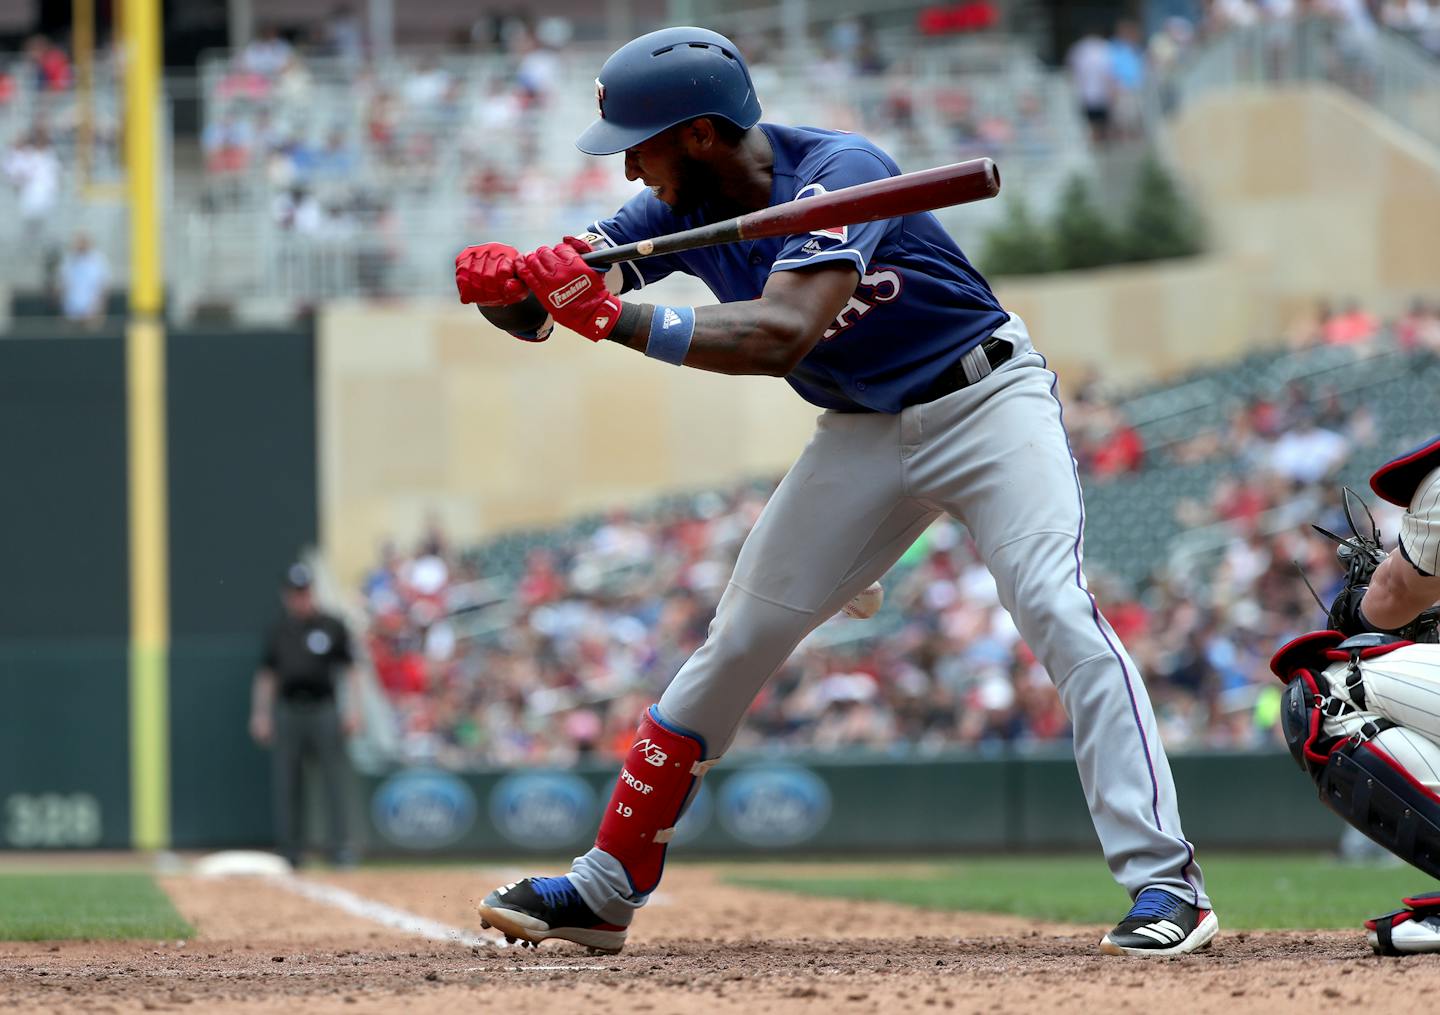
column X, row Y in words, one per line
column 666, row 78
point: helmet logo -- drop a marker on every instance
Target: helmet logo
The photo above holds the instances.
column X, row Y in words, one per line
column 600, row 96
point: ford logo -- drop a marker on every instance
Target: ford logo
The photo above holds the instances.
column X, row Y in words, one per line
column 778, row 806
column 543, row 810
column 696, row 819
column 423, row 809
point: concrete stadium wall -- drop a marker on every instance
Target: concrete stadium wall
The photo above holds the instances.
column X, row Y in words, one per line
column 428, row 410
column 1319, row 193
column 1134, row 323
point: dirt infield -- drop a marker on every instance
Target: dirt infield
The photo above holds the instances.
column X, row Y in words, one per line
column 704, row 946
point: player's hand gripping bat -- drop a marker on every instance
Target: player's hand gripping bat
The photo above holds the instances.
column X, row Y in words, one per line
column 906, row 194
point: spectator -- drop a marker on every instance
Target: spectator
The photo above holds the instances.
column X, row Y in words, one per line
column 1352, row 326
column 267, row 54
column 540, row 63
column 1091, row 64
column 1127, row 70
column 1119, row 452
column 34, row 169
column 343, row 36
column 1164, row 52
column 226, row 143
column 1419, row 328
column 84, row 283
column 297, row 210
column 49, row 66
column 1308, row 453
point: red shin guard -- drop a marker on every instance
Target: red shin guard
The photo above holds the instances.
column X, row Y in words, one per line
column 659, row 772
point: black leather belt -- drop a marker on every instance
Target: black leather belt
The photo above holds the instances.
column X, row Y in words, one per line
column 305, row 695
column 967, row 370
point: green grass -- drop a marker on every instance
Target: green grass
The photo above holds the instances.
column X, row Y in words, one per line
column 53, row 907
column 1250, row 892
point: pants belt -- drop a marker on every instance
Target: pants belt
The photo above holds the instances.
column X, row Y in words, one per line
column 976, row 364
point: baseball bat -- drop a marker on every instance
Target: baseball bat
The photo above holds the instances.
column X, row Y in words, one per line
column 906, row 194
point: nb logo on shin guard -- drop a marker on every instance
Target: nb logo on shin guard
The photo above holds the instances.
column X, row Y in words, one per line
column 652, row 752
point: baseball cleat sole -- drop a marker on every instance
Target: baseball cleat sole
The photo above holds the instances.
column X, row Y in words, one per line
column 1199, row 938
column 1416, row 941
column 527, row 929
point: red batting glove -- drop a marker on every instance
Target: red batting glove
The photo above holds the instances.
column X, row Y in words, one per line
column 485, row 275
column 572, row 291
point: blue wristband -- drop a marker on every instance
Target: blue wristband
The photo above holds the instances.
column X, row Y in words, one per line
column 671, row 329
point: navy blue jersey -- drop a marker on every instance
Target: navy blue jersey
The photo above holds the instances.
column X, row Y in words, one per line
column 918, row 307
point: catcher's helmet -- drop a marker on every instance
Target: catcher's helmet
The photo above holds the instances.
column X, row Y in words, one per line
column 666, row 78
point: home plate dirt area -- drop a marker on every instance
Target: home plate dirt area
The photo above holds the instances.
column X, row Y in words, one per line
column 706, row 946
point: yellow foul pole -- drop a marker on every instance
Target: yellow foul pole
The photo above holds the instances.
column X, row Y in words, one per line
column 82, row 40
column 145, row 394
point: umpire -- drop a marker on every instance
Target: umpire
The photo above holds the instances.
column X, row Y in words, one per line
column 295, row 712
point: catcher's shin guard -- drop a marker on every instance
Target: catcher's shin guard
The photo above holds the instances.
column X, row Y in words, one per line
column 1370, row 790
column 655, row 783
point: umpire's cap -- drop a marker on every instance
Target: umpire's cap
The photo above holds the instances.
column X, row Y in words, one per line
column 298, row 576
column 666, row 78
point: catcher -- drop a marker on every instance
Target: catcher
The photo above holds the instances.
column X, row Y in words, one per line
column 1361, row 709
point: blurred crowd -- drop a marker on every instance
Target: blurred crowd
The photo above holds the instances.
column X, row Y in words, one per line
column 1419, row 19
column 54, row 138
column 1110, row 74
column 591, row 625
column 321, row 120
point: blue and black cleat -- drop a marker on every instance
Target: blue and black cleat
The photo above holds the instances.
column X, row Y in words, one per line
column 538, row 909
column 1161, row 924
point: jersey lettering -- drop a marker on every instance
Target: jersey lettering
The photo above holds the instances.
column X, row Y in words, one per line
column 884, row 285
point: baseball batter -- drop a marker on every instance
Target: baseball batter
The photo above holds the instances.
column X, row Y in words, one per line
column 934, row 401
column 1362, row 702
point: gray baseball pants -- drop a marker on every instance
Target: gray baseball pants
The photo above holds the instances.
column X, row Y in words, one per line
column 994, row 456
column 309, row 729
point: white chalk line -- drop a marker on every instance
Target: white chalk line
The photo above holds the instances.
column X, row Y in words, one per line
column 536, row 969
column 381, row 913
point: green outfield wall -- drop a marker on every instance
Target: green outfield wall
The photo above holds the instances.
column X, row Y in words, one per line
column 241, row 463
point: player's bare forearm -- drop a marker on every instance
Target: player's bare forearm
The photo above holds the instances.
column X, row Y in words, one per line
column 262, row 692
column 768, row 336
column 1398, row 593
column 736, row 338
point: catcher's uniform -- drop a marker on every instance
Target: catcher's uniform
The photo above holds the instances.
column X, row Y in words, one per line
column 1362, row 714
column 1362, row 717
column 1412, row 481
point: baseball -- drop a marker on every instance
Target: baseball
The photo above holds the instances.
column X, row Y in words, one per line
column 867, row 603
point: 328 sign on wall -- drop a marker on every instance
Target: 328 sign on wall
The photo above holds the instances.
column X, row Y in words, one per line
column 43, row 820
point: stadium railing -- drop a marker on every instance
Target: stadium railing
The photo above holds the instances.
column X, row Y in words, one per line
column 1384, row 68
column 927, row 110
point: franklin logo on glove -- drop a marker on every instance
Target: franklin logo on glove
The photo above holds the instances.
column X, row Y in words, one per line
column 563, row 296
column 578, row 293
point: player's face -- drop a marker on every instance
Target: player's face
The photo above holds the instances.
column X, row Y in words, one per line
column 300, row 602
column 676, row 177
